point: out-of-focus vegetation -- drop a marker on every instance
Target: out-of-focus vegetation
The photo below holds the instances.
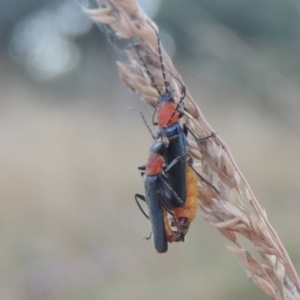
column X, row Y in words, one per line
column 69, row 149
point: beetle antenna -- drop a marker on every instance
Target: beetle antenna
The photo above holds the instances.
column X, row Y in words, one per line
column 146, row 68
column 167, row 84
column 144, row 119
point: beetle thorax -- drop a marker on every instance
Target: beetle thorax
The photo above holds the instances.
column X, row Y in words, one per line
column 164, row 114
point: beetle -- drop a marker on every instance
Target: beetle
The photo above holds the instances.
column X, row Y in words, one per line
column 159, row 195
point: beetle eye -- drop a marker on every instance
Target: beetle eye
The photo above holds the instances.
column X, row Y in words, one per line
column 183, row 220
column 166, row 97
column 159, row 146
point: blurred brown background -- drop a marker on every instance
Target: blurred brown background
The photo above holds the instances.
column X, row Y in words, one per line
column 69, row 148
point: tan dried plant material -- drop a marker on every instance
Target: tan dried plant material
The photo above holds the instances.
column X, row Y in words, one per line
column 225, row 197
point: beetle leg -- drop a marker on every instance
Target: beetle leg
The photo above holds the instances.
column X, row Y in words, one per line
column 176, row 160
column 186, row 129
column 141, row 197
column 153, row 116
column 142, row 168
